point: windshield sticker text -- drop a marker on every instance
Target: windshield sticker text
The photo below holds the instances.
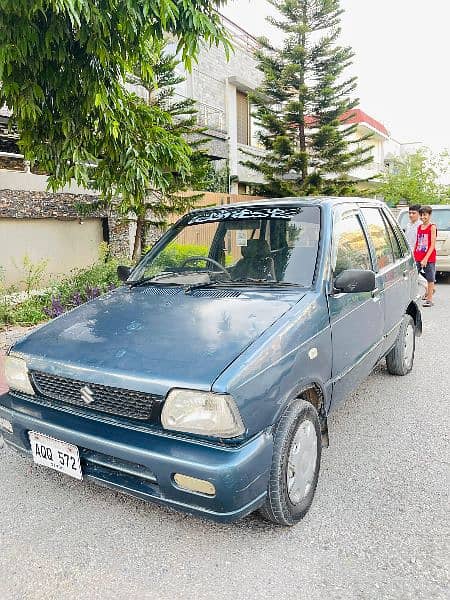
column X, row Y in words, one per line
column 225, row 214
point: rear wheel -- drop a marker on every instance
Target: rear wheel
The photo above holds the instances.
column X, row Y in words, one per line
column 295, row 465
column 400, row 359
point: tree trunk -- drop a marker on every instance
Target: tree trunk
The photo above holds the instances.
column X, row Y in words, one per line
column 137, row 249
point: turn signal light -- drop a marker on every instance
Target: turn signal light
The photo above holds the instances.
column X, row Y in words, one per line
column 6, row 425
column 192, row 484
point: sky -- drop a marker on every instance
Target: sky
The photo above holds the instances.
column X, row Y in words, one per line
column 402, row 61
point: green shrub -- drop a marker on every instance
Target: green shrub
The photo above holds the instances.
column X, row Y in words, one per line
column 31, row 311
column 78, row 287
column 6, row 317
column 174, row 254
column 34, row 273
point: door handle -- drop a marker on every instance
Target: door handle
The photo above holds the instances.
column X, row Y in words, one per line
column 405, row 274
column 376, row 294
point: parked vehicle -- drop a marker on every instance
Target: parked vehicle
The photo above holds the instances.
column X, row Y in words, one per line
column 441, row 217
column 205, row 381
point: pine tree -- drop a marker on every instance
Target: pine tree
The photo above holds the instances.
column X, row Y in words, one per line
column 303, row 103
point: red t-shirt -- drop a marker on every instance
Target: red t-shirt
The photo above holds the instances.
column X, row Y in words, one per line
column 423, row 243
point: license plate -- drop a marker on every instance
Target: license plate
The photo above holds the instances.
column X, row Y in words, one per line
column 55, row 454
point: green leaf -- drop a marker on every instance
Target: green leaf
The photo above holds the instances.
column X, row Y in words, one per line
column 98, row 99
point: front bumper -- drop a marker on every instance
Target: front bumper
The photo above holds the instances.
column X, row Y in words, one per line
column 142, row 462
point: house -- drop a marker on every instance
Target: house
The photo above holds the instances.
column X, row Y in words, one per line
column 372, row 135
column 367, row 125
column 221, row 90
column 384, row 149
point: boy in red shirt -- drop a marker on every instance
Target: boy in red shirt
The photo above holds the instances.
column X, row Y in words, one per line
column 425, row 252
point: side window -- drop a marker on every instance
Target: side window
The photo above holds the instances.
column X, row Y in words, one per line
column 404, row 246
column 380, row 237
column 351, row 250
column 394, row 243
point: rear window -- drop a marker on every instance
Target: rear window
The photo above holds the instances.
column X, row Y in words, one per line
column 441, row 218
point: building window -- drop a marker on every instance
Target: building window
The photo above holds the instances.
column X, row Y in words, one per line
column 243, row 118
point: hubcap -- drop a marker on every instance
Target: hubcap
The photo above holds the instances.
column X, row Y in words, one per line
column 302, row 462
column 409, row 346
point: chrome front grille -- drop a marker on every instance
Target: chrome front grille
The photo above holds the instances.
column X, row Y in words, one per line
column 97, row 397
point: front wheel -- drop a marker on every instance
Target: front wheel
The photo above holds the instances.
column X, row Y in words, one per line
column 295, row 464
column 400, row 359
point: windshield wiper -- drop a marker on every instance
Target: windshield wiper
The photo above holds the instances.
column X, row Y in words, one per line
column 251, row 281
column 153, row 281
column 204, row 285
column 240, row 283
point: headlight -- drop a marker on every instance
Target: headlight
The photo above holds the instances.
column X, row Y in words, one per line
column 203, row 413
column 16, row 374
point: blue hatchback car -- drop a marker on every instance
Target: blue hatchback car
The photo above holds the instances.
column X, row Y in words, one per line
column 204, row 383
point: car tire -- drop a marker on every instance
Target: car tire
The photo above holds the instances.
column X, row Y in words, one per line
column 289, row 498
column 400, row 359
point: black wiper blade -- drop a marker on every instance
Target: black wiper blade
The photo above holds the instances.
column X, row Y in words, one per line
column 239, row 283
column 251, row 281
column 150, row 281
column 200, row 286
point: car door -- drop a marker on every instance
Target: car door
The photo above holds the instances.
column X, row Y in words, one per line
column 357, row 320
column 393, row 266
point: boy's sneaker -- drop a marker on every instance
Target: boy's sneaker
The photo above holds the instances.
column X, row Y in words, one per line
column 427, row 303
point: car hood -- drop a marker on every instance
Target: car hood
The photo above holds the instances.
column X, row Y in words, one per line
column 152, row 339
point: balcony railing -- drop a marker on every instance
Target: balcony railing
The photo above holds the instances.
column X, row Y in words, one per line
column 211, row 117
column 241, row 37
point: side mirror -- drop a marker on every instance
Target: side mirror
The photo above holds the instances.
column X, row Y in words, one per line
column 123, row 272
column 354, row 281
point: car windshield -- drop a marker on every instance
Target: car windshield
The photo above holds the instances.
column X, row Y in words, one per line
column 253, row 245
column 440, row 217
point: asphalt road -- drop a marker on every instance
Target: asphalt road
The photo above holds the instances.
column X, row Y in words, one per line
column 378, row 528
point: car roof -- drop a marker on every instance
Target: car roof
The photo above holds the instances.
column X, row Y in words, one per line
column 328, row 201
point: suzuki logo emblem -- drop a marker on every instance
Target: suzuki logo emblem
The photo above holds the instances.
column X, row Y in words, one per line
column 87, row 395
